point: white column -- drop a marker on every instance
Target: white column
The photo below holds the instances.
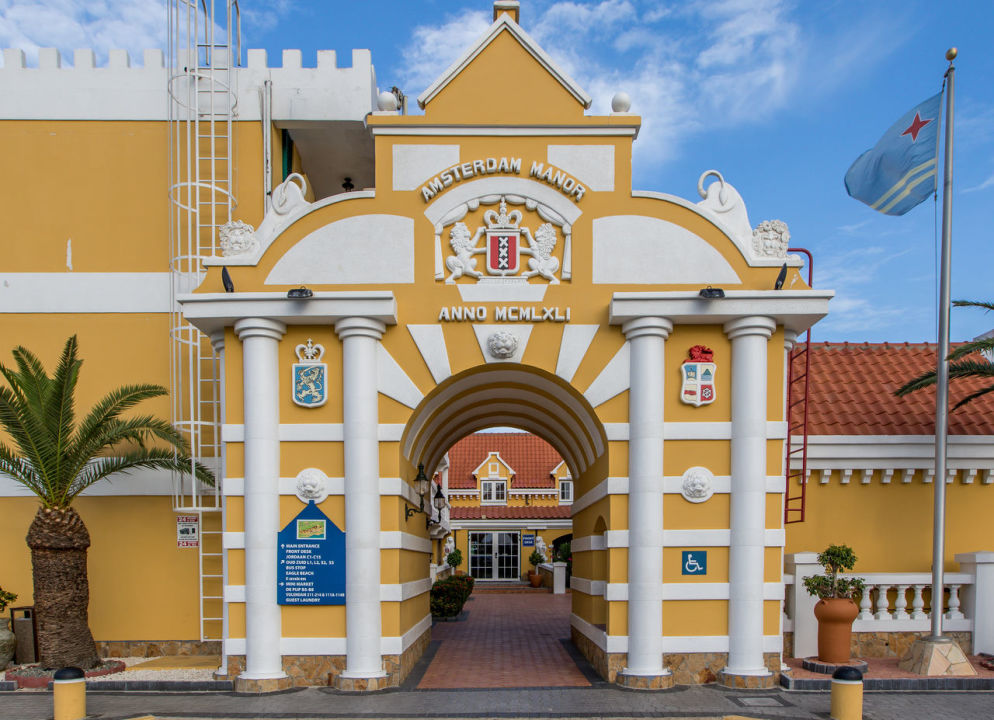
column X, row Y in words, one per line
column 750, row 338
column 645, row 498
column 260, row 377
column 978, row 598
column 363, row 621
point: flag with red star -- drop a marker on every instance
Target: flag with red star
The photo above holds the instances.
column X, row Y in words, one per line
column 899, row 171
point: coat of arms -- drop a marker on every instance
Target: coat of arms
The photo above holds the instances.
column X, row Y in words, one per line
column 309, row 376
column 503, row 248
column 698, row 377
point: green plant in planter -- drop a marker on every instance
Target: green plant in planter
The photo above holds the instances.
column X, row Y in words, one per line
column 535, row 559
column 835, row 559
column 6, row 598
column 454, row 558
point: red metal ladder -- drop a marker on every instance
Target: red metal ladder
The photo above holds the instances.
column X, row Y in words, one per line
column 796, row 415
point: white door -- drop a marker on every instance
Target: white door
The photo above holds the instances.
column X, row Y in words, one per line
column 494, row 555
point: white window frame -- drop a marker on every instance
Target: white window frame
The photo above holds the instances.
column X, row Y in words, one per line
column 493, row 487
column 568, row 482
column 493, row 469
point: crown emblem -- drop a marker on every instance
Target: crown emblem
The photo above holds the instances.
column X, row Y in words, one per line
column 309, row 352
column 502, row 220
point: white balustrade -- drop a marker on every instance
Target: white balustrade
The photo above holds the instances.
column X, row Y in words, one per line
column 881, row 613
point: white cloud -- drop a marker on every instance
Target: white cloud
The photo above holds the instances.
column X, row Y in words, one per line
column 688, row 68
column 989, row 182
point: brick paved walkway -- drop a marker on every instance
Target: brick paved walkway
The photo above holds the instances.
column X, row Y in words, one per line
column 508, row 640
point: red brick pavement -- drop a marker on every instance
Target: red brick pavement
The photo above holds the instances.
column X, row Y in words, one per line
column 508, row 640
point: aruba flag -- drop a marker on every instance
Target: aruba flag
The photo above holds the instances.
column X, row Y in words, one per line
column 899, row 171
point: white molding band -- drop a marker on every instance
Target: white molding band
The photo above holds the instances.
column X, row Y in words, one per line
column 618, row 592
column 389, row 487
column 389, row 540
column 396, row 592
column 670, row 643
column 775, row 430
column 671, row 485
column 85, row 292
column 391, row 645
column 718, row 537
column 313, row 432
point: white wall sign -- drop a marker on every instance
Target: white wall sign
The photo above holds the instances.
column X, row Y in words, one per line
column 187, row 531
column 504, row 313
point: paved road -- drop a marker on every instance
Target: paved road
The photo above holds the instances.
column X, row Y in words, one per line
column 601, row 701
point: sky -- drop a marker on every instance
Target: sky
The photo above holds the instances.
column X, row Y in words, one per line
column 779, row 96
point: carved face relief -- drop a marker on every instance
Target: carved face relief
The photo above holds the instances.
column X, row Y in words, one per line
column 502, row 345
column 237, row 238
column 771, row 238
column 312, row 484
column 698, row 484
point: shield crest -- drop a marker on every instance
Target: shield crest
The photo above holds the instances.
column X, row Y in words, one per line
column 698, row 372
column 502, row 251
column 309, row 377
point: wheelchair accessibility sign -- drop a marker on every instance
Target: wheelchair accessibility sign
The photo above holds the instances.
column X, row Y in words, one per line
column 695, row 562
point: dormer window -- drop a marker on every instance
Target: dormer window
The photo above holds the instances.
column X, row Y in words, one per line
column 493, row 492
column 565, row 491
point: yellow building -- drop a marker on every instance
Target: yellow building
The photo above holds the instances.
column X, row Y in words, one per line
column 488, row 264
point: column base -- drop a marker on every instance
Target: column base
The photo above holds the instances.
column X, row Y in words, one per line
column 739, row 681
column 262, row 685
column 932, row 656
column 361, row 684
column 633, row 681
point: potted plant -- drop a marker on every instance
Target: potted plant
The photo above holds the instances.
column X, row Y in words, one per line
column 8, row 642
column 835, row 610
column 535, row 577
column 454, row 559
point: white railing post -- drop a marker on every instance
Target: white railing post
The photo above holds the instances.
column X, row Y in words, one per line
column 802, row 565
column 918, row 603
column 978, row 598
column 866, row 603
column 901, row 603
column 883, row 604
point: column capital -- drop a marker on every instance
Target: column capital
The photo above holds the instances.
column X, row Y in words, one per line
column 789, row 339
column 750, row 325
column 359, row 325
column 217, row 341
column 650, row 325
column 259, row 327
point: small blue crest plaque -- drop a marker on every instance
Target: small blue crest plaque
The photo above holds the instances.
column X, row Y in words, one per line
column 309, row 376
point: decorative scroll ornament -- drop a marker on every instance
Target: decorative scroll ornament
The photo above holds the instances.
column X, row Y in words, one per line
column 237, row 238
column 502, row 345
column 698, row 377
column 503, row 248
column 309, row 376
column 771, row 239
column 698, row 484
column 312, row 486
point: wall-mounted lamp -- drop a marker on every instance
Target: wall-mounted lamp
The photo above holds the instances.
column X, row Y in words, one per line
column 422, row 486
column 347, row 186
column 300, row 293
column 711, row 293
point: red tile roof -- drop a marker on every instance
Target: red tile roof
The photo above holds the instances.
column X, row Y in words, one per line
column 852, row 392
column 504, row 512
column 531, row 458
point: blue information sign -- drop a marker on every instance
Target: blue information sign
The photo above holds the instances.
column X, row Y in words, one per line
column 528, row 541
column 310, row 560
column 695, row 562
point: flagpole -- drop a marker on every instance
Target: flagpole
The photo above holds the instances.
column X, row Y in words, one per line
column 942, row 367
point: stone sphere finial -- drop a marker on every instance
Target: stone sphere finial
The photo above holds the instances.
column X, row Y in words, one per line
column 386, row 101
column 621, row 102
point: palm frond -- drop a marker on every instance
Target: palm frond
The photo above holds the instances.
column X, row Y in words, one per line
column 973, row 396
column 971, row 368
column 114, row 403
column 974, row 303
column 983, row 345
column 152, row 458
column 922, row 381
column 20, row 470
column 23, row 422
column 60, row 410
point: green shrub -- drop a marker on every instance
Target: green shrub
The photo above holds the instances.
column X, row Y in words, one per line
column 6, row 598
column 835, row 559
column 454, row 558
column 536, row 559
column 465, row 583
column 449, row 595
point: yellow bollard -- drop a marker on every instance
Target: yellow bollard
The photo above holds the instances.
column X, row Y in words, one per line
column 69, row 694
column 847, row 694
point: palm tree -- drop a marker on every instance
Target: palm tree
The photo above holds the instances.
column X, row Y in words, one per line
column 958, row 367
column 57, row 459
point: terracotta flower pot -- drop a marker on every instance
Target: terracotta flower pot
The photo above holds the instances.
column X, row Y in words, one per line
column 535, row 578
column 835, row 617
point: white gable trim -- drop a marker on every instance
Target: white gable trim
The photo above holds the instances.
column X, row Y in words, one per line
column 492, row 455
column 504, row 22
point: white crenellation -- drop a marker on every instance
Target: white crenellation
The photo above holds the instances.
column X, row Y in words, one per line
column 125, row 88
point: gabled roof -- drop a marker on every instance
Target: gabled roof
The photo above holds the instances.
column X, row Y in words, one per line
column 502, row 23
column 493, row 455
column 531, row 458
column 852, row 392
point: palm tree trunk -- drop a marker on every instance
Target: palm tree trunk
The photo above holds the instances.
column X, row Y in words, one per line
column 58, row 540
